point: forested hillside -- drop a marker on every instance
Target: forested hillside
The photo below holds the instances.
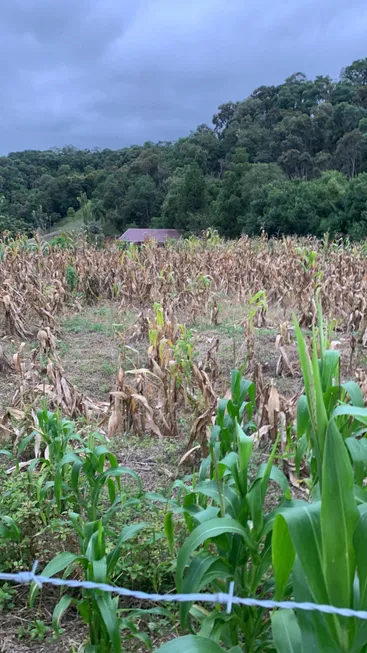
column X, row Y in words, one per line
column 288, row 159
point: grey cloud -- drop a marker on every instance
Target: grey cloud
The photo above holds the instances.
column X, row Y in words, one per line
column 115, row 72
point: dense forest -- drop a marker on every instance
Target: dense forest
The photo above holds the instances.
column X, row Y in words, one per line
column 288, row 159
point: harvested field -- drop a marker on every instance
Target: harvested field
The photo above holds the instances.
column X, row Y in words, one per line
column 133, row 349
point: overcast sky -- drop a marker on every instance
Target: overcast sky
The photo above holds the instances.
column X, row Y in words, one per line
column 110, row 73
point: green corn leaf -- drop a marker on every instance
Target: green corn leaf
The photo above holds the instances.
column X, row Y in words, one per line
column 203, row 569
column 141, row 612
column 358, row 454
column 117, row 473
column 232, row 500
column 248, row 389
column 77, row 522
column 58, row 487
column 301, row 448
column 221, row 409
column 303, row 416
column 236, row 386
column 160, row 498
column 230, row 463
column 245, row 445
column 200, row 534
column 339, row 516
column 359, row 541
column 25, row 442
column 96, row 548
column 321, row 415
column 315, row 631
column 358, row 413
column 143, row 637
column 84, row 609
column 55, row 566
column 306, row 369
column 354, row 392
column 204, row 468
column 59, row 610
column 169, row 532
column 257, row 492
column 75, row 473
column 286, row 632
column 215, row 625
column 190, row 644
column 283, row 555
column 111, row 490
column 321, row 325
column 329, row 368
column 332, row 397
column 303, row 521
column 108, row 614
column 202, row 516
column 101, row 450
column 112, row 459
column 69, row 458
column 277, row 476
column 59, row 563
column 316, row 407
column 100, row 570
column 126, row 534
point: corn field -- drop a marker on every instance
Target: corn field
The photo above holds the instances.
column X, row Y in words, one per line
column 286, row 321
column 34, row 280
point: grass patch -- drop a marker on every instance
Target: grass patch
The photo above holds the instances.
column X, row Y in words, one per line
column 81, row 324
column 226, row 328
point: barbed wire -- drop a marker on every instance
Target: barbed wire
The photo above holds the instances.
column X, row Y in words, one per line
column 228, row 599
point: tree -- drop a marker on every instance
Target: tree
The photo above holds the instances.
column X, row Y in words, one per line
column 139, row 204
column 346, row 118
column 356, row 73
column 301, row 207
column 85, row 208
column 186, row 203
column 356, row 206
column 224, row 115
column 350, row 151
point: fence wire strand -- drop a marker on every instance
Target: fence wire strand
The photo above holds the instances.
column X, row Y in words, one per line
column 227, row 599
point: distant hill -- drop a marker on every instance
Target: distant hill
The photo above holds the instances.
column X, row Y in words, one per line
column 290, row 158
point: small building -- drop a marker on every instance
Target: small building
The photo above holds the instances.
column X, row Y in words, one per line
column 138, row 236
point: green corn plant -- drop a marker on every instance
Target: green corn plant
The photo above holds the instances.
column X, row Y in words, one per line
column 308, row 258
column 257, row 308
column 183, row 355
column 320, row 546
column 82, row 477
column 71, row 276
column 159, row 314
column 52, row 440
column 97, row 559
column 327, row 400
column 230, row 531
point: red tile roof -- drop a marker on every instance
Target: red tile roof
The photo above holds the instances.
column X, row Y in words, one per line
column 139, row 235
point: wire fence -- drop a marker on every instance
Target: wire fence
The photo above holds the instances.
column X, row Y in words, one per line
column 228, row 599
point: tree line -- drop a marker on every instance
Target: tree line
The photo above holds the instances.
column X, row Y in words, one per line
column 289, row 159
